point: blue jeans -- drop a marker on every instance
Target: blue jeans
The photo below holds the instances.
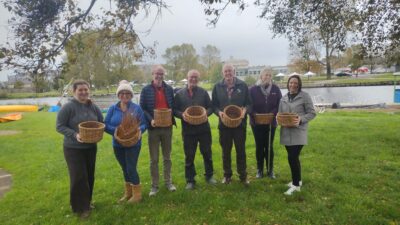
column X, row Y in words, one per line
column 128, row 158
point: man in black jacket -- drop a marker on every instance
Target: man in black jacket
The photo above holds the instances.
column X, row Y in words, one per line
column 232, row 91
column 192, row 95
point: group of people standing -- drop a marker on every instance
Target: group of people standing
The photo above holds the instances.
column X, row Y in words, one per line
column 265, row 97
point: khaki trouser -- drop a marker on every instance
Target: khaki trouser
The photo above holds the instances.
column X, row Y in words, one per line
column 156, row 136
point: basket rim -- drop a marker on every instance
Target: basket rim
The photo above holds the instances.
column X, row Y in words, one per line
column 287, row 114
column 102, row 125
column 232, row 106
column 204, row 112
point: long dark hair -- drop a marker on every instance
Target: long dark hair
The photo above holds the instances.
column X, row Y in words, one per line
column 298, row 79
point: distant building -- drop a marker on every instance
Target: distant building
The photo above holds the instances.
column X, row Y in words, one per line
column 243, row 69
column 253, row 71
column 20, row 77
column 280, row 69
column 27, row 80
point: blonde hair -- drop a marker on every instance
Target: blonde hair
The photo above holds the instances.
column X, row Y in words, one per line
column 266, row 71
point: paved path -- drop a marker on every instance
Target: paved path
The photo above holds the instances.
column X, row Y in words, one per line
column 5, row 182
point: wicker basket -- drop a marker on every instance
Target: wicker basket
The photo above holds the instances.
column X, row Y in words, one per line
column 128, row 142
column 232, row 117
column 163, row 117
column 286, row 119
column 91, row 131
column 263, row 118
column 196, row 115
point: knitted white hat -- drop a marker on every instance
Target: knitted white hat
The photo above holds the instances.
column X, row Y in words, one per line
column 124, row 86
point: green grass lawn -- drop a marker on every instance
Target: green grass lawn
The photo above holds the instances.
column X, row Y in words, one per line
column 350, row 173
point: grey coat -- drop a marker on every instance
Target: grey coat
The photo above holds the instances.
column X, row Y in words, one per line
column 304, row 107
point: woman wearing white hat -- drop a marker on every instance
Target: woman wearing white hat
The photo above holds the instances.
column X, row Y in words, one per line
column 127, row 156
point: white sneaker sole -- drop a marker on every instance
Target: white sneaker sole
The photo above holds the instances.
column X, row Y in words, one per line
column 291, row 184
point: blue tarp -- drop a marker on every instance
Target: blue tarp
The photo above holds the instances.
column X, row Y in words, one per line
column 54, row 108
column 397, row 96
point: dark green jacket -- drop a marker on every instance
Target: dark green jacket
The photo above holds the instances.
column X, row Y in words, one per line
column 183, row 101
column 240, row 97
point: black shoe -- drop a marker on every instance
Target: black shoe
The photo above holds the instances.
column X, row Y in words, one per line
column 84, row 214
column 259, row 174
column 271, row 175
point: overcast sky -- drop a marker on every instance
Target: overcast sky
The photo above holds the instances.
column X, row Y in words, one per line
column 241, row 35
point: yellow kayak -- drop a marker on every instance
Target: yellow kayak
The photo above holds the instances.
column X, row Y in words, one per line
column 10, row 117
column 19, row 108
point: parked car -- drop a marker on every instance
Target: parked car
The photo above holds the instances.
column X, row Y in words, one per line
column 343, row 74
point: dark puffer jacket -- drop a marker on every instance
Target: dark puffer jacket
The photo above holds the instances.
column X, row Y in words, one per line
column 148, row 101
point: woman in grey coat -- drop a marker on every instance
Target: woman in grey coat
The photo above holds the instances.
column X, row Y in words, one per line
column 294, row 138
column 80, row 157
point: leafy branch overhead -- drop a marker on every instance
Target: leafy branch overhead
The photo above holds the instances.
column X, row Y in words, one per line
column 375, row 24
column 41, row 28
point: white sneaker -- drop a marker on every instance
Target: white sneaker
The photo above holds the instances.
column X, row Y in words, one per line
column 171, row 187
column 291, row 184
column 292, row 189
column 153, row 191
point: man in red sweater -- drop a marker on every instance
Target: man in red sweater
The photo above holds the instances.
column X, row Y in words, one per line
column 158, row 95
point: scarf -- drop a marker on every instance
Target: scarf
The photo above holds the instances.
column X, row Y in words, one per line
column 266, row 90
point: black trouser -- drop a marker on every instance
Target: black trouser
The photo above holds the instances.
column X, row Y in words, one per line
column 190, row 145
column 294, row 162
column 81, row 167
column 227, row 137
column 263, row 140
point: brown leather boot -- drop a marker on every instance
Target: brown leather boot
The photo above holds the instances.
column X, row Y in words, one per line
column 137, row 194
column 128, row 192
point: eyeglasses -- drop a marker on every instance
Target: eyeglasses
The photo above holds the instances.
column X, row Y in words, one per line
column 125, row 93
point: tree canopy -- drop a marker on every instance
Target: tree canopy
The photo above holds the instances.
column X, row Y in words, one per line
column 374, row 24
column 42, row 28
column 102, row 65
column 180, row 59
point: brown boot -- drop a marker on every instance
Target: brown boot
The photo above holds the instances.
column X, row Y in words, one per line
column 137, row 194
column 128, row 192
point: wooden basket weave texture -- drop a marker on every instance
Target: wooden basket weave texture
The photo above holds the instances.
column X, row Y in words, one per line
column 263, row 118
column 196, row 115
column 232, row 115
column 163, row 117
column 286, row 119
column 91, row 131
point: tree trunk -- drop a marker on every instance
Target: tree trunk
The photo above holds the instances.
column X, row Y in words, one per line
column 328, row 62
